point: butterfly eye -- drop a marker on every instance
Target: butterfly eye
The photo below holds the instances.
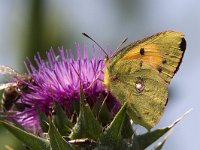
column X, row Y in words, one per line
column 139, row 85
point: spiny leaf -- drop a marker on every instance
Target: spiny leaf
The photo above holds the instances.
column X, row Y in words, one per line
column 61, row 120
column 32, row 141
column 160, row 145
column 56, row 140
column 43, row 120
column 75, row 106
column 127, row 130
column 112, row 136
column 86, row 126
column 102, row 112
column 82, row 95
column 148, row 138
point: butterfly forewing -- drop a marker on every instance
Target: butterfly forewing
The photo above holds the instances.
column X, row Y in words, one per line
column 162, row 51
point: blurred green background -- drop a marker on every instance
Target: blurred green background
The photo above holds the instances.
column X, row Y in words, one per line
column 27, row 27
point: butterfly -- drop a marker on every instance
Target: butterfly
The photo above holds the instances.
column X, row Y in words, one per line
column 139, row 74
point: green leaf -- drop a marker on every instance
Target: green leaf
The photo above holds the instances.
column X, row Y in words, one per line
column 160, row 145
column 82, row 95
column 43, row 120
column 86, row 126
column 32, row 141
column 127, row 130
column 112, row 136
column 75, row 108
column 102, row 112
column 56, row 140
column 148, row 138
column 61, row 120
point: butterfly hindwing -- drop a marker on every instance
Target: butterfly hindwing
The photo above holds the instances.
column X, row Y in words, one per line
column 146, row 104
column 163, row 51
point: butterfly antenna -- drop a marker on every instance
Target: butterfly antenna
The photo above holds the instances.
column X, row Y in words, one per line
column 121, row 44
column 86, row 35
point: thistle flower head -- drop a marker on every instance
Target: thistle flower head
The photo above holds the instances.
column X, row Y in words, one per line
column 58, row 79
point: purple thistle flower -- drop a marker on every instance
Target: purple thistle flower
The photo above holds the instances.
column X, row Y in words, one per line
column 58, row 80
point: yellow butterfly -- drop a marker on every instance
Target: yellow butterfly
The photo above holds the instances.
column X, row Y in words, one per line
column 139, row 74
